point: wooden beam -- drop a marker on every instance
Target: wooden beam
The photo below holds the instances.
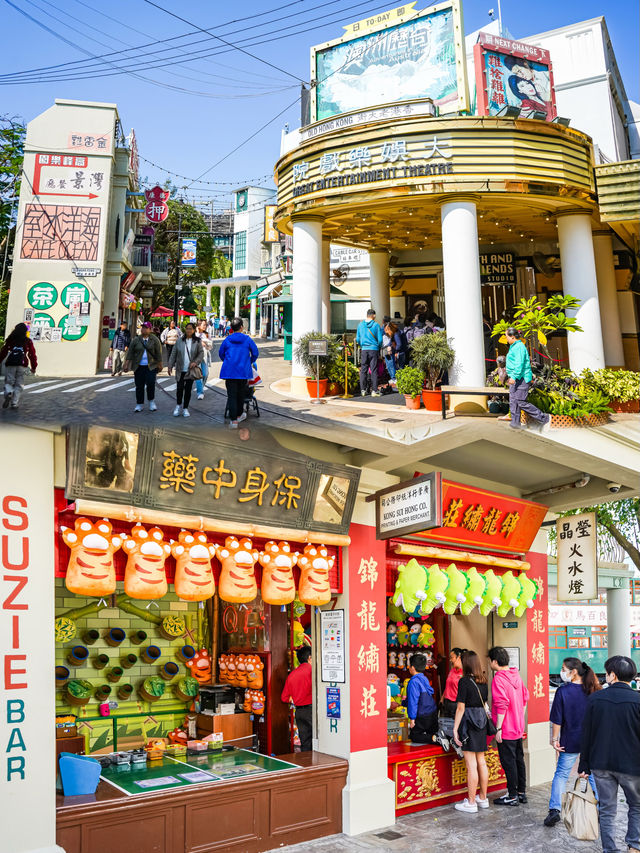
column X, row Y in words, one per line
column 465, row 556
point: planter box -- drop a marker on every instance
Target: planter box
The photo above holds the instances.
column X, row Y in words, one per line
column 567, row 422
column 629, row 407
column 432, row 400
column 312, row 388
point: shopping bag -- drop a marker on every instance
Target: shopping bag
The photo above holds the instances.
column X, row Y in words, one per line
column 108, row 363
column 255, row 381
column 580, row 812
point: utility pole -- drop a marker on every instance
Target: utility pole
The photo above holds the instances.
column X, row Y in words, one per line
column 178, row 286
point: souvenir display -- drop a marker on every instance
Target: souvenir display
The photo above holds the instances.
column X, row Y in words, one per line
column 527, row 595
column 200, row 666
column 237, row 579
column 511, row 589
column 474, row 592
column 277, row 561
column 491, row 594
column 194, row 575
column 90, row 570
column 410, row 586
column 144, row 575
column 437, row 585
column 455, row 593
column 315, row 565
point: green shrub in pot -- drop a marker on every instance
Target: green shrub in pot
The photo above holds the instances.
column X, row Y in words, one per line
column 301, row 354
column 433, row 355
column 620, row 385
column 410, row 381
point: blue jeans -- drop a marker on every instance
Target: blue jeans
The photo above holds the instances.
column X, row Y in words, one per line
column 608, row 789
column 566, row 760
column 205, row 374
column 390, row 361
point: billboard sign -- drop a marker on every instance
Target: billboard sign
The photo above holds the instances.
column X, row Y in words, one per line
column 271, row 234
column 189, row 253
column 400, row 55
column 512, row 73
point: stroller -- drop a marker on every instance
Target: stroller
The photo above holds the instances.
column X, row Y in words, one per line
column 250, row 400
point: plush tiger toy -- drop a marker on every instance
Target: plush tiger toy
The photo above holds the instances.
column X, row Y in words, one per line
column 90, row 570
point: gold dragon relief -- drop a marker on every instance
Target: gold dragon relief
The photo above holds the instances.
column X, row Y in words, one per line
column 493, row 765
column 419, row 783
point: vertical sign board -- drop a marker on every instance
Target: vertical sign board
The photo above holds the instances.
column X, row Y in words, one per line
column 537, row 669
column 332, row 646
column 189, row 253
column 367, row 639
column 27, row 696
column 576, row 538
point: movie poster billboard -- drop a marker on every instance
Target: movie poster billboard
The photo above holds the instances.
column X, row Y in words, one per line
column 400, row 55
column 512, row 73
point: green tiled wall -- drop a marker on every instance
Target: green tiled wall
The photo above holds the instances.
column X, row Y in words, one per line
column 99, row 732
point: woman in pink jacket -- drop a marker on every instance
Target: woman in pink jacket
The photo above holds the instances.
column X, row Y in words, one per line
column 508, row 699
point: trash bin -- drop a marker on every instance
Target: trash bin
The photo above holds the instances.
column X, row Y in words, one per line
column 79, row 774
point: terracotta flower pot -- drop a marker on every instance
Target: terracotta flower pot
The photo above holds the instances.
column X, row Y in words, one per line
column 91, row 636
column 629, row 406
column 151, row 654
column 101, row 661
column 78, row 655
column 129, row 660
column 312, row 388
column 62, row 675
column 115, row 674
column 125, row 691
column 103, row 692
column 169, row 670
column 114, row 637
column 412, row 402
column 186, row 653
column 432, row 400
column 138, row 637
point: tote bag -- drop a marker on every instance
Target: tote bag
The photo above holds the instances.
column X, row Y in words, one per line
column 579, row 811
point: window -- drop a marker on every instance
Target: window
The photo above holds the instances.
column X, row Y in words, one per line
column 557, row 637
column 598, row 638
column 240, row 251
column 635, row 592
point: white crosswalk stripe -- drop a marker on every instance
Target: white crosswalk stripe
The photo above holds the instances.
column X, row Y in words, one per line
column 102, row 384
column 91, row 384
column 56, row 386
column 38, row 384
column 117, row 385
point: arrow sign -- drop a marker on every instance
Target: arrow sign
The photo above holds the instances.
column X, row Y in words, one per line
column 63, row 170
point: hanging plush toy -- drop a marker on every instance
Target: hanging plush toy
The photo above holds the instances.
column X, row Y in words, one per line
column 277, row 561
column 315, row 564
column 410, row 586
column 90, row 570
column 437, row 585
column 200, row 666
column 456, row 590
column 427, row 636
column 144, row 576
column 237, row 579
column 194, row 576
column 511, row 589
column 491, row 594
column 392, row 635
column 528, row 593
column 403, row 635
column 474, row 591
column 395, row 613
column 241, row 671
column 393, row 683
column 254, row 667
column 392, row 658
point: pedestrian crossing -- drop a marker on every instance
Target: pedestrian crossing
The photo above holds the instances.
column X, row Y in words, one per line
column 101, row 385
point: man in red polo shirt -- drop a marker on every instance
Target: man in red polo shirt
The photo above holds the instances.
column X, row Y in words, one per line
column 297, row 689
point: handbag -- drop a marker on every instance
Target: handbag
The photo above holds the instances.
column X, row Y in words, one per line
column 108, row 363
column 491, row 726
column 195, row 373
column 580, row 812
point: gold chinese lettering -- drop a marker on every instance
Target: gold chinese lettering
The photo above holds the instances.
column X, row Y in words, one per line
column 368, row 703
column 450, row 518
column 178, row 472
column 540, row 584
column 490, row 522
column 538, row 687
column 367, row 616
column 509, row 523
column 368, row 571
column 219, row 482
column 287, row 491
column 472, row 517
column 538, row 653
column 369, row 659
column 537, row 624
column 255, row 486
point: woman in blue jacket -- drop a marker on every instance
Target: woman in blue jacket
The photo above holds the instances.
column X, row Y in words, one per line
column 237, row 353
column 519, row 381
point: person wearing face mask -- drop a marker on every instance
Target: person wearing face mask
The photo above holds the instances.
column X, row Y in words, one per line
column 144, row 357
column 610, row 749
column 579, row 681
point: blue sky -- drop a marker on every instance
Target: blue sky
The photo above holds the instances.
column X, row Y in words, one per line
column 188, row 133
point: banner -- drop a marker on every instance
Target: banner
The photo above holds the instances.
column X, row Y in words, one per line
column 577, row 557
column 189, row 252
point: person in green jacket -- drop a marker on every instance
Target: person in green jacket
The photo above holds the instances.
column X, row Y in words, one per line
column 519, row 381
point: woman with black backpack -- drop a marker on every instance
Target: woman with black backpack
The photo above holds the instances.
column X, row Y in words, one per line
column 20, row 353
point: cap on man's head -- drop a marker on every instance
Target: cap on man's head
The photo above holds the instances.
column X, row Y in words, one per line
column 146, row 325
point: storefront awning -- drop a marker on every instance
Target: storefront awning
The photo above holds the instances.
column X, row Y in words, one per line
column 257, row 292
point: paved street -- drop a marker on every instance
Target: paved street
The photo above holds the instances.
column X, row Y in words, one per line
column 445, row 830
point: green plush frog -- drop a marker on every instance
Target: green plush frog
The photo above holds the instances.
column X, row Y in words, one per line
column 437, row 583
column 410, row 586
column 511, row 589
column 528, row 594
column 474, row 592
column 456, row 590
column 491, row 594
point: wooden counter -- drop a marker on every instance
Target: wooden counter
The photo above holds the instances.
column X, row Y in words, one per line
column 239, row 816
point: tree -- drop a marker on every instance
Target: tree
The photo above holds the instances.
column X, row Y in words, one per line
column 618, row 524
column 12, row 135
column 535, row 320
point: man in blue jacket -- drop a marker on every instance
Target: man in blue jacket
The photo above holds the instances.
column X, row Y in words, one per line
column 519, row 381
column 369, row 338
column 237, row 353
column 421, row 705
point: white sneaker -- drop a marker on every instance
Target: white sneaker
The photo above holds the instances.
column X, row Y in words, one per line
column 153, row 407
column 376, row 394
column 186, row 413
column 177, row 411
column 363, row 393
column 200, row 396
column 139, row 408
column 483, row 804
column 233, row 425
column 465, row 806
column 242, row 417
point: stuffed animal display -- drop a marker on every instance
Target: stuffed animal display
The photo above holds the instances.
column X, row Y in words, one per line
column 403, row 635
column 427, row 636
column 253, row 701
column 277, row 561
column 410, row 586
column 491, row 594
column 455, row 593
column 392, row 635
column 437, row 583
column 199, row 666
column 392, row 658
column 395, row 613
column 475, row 589
column 241, row 670
column 90, row 570
column 315, row 565
column 194, row 576
column 509, row 594
column 528, row 594
column 144, row 576
column 237, row 579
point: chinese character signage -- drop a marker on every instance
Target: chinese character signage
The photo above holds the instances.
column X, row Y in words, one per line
column 60, row 232
column 61, row 310
column 216, row 478
column 482, row 519
column 577, row 557
column 189, row 253
column 537, row 668
column 400, row 55
column 93, row 142
column 515, row 74
column 367, row 640
column 409, row 507
column 332, row 646
column 156, row 209
column 271, row 234
column 68, row 176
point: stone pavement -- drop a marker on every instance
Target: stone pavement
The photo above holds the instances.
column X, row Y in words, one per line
column 444, row 830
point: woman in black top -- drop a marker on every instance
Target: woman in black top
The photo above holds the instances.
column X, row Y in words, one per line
column 470, row 730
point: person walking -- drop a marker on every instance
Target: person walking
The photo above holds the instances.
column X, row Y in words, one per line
column 144, row 357
column 610, row 749
column 470, row 731
column 508, row 699
column 169, row 337
column 369, row 338
column 185, row 356
column 519, row 381
column 237, row 353
column 567, row 713
column 207, row 344
column 422, row 710
column 297, row 689
column 119, row 346
column 19, row 352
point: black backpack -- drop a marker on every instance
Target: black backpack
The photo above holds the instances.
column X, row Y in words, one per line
column 16, row 356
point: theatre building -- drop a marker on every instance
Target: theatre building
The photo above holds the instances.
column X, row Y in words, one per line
column 468, row 185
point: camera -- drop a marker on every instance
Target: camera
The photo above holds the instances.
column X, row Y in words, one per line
column 614, row 488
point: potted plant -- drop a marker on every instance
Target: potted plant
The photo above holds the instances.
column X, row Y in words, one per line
column 434, row 355
column 312, row 363
column 79, row 691
column 410, row 382
column 621, row 386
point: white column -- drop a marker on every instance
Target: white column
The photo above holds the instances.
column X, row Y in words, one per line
column 579, row 279
column 236, row 302
column 325, row 319
column 307, row 284
column 253, row 303
column 379, row 278
column 208, row 302
column 223, row 296
column 608, row 299
column 619, row 621
column 462, row 293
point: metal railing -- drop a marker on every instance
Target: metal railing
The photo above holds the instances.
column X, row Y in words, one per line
column 159, row 262
column 141, row 256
